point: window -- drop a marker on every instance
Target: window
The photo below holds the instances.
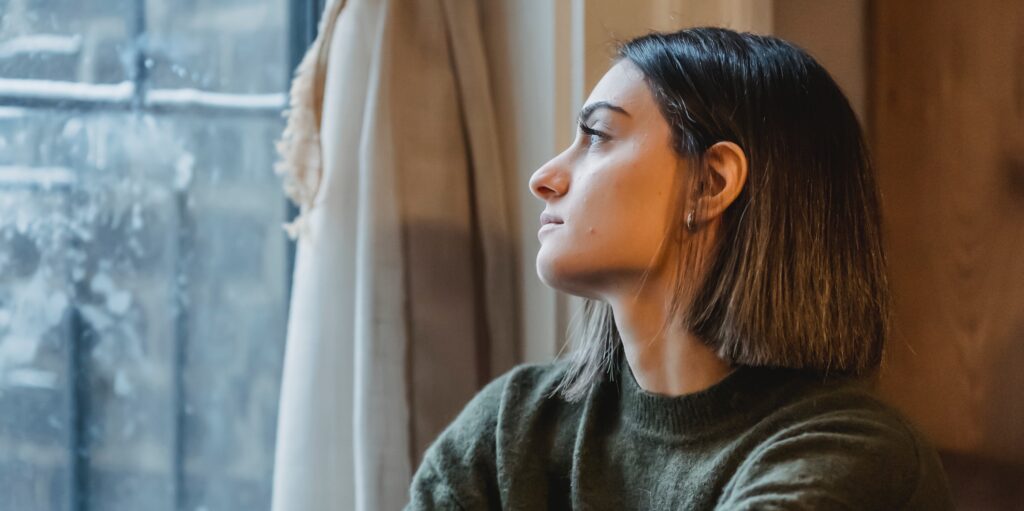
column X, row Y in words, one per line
column 144, row 273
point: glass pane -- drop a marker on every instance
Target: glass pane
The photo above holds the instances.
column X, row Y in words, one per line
column 237, row 279
column 35, row 390
column 143, row 275
column 143, row 268
column 67, row 40
column 233, row 46
column 89, row 281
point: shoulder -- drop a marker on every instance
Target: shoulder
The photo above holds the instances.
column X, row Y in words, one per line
column 501, row 400
column 837, row 446
column 523, row 387
column 459, row 468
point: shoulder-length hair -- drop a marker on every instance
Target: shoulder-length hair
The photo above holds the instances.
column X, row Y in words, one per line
column 797, row 277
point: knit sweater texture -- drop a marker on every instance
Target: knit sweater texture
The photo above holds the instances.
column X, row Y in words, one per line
column 762, row 438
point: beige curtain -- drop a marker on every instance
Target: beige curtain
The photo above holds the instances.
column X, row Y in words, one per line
column 402, row 302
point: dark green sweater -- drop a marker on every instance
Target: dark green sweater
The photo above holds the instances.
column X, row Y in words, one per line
column 759, row 439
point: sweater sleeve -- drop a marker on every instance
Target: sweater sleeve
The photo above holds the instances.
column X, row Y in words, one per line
column 845, row 460
column 458, row 469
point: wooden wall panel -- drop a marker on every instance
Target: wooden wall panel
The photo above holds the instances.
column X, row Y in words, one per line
column 947, row 131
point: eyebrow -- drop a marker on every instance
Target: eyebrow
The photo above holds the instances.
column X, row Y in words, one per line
column 589, row 109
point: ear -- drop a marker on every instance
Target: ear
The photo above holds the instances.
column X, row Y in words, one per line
column 728, row 175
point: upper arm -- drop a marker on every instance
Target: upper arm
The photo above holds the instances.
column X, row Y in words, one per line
column 843, row 460
column 458, row 470
column 430, row 490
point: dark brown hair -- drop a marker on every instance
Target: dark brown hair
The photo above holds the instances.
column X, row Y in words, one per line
column 798, row 276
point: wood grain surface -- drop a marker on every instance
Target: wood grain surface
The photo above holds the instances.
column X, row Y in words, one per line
column 946, row 116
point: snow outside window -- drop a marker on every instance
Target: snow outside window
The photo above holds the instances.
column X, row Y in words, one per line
column 143, row 267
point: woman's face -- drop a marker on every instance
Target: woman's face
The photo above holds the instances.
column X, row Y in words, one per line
column 613, row 192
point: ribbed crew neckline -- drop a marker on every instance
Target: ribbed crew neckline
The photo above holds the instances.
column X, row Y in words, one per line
column 740, row 397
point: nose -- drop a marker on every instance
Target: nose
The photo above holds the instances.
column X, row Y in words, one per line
column 550, row 180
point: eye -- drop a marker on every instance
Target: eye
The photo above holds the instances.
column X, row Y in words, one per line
column 596, row 137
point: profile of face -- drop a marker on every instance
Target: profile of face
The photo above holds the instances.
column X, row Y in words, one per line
column 612, row 191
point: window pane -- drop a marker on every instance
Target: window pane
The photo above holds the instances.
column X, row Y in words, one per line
column 143, row 268
column 35, row 426
column 217, row 45
column 87, row 293
column 237, row 277
column 67, row 40
column 142, row 310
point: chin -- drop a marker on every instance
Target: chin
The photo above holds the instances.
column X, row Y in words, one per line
column 546, row 273
column 560, row 278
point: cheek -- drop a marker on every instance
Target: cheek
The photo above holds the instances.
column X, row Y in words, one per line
column 620, row 219
column 630, row 204
column 617, row 217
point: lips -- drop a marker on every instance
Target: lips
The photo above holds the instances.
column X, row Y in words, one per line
column 548, row 222
column 548, row 218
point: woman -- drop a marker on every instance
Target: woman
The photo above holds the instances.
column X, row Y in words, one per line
column 718, row 212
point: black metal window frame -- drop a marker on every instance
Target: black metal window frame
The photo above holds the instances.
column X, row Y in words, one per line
column 302, row 28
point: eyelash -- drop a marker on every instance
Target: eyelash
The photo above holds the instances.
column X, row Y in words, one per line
column 592, row 132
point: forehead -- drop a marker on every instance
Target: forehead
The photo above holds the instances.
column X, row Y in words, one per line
column 624, row 85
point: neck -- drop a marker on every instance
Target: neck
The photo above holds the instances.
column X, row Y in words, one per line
column 666, row 360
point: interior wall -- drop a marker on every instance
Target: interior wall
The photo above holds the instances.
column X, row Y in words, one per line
column 834, row 33
column 947, row 108
column 610, row 21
